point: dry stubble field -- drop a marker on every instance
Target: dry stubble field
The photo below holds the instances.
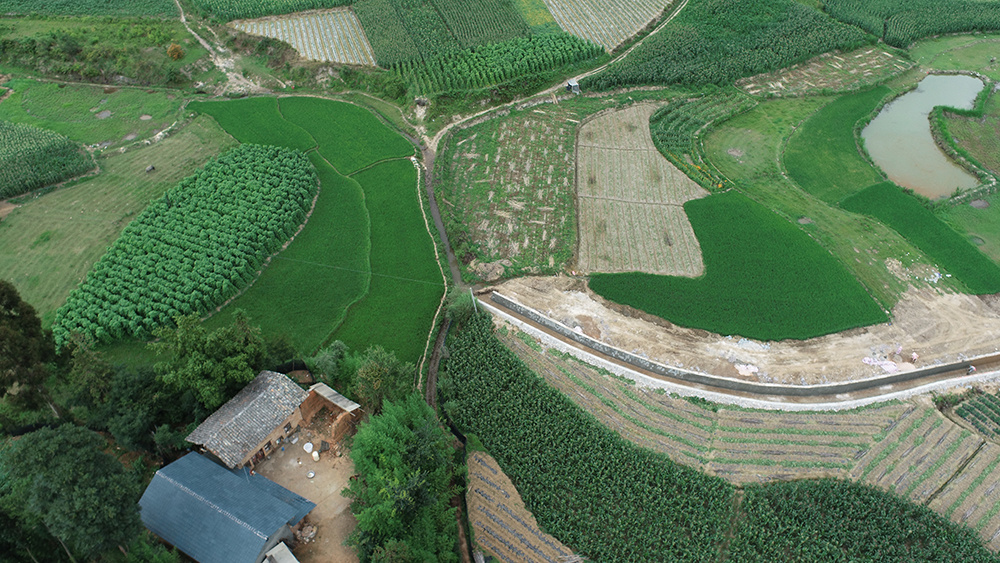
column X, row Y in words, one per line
column 606, row 22
column 631, row 198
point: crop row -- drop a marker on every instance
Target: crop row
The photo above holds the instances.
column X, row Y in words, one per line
column 118, row 8
column 983, row 412
column 32, row 158
column 901, row 22
column 195, row 247
column 614, row 501
column 718, row 41
column 677, row 126
column 226, row 10
column 606, row 22
column 334, row 36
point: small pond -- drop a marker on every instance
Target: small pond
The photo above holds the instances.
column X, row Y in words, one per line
column 899, row 140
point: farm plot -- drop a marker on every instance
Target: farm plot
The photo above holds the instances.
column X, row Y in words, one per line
column 918, row 456
column 972, row 498
column 503, row 527
column 331, row 36
column 630, row 199
column 507, row 194
column 31, row 158
column 741, row 446
column 118, row 8
column 982, row 412
column 829, row 72
column 606, row 22
column 658, row 422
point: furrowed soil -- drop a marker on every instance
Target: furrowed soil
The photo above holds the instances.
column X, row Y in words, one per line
column 836, row 72
column 939, row 327
column 631, row 199
column 502, row 525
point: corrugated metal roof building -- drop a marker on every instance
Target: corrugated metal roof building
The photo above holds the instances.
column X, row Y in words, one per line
column 215, row 515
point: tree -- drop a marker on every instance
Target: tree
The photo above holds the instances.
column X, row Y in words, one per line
column 327, row 364
column 89, row 372
column 381, row 377
column 214, row 365
column 25, row 348
column 175, row 52
column 61, row 479
column 401, row 497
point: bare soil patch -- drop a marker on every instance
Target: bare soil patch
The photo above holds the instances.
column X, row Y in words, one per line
column 805, row 221
column 145, row 117
column 938, row 327
column 103, row 114
column 6, row 208
column 289, row 466
column 979, row 203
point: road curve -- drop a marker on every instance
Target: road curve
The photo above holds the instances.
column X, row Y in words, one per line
column 835, row 396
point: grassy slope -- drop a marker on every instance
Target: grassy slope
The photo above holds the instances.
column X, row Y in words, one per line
column 860, row 243
column 822, row 155
column 351, row 141
column 72, row 110
column 950, row 250
column 959, row 52
column 49, row 244
column 406, row 284
column 780, row 285
column 305, row 307
column 983, row 224
column 256, row 120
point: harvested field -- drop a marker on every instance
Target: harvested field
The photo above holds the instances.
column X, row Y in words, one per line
column 605, row 22
column 333, row 36
column 836, row 72
column 502, row 526
column 630, row 200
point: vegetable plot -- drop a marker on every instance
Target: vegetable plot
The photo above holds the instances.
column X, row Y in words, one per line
column 606, row 22
column 334, row 36
column 194, row 248
column 32, row 158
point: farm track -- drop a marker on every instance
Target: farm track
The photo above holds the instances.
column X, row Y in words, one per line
column 782, row 397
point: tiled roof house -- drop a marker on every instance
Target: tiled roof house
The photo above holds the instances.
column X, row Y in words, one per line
column 215, row 515
column 249, row 425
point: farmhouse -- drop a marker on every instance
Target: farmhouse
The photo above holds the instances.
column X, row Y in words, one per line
column 215, row 515
column 262, row 415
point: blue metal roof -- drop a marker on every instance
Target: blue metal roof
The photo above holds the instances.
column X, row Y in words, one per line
column 214, row 515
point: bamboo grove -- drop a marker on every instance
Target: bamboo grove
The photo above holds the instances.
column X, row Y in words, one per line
column 194, row 248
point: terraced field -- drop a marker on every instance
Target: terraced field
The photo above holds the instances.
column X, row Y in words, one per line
column 606, row 22
column 909, row 449
column 630, row 200
column 331, row 36
column 501, row 525
column 741, row 446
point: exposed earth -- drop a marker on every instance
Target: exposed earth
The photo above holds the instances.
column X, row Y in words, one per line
column 939, row 327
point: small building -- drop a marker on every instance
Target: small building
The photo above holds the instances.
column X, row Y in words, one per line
column 573, row 86
column 251, row 424
column 216, row 515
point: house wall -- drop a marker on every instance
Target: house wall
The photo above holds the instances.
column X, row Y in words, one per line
column 283, row 534
column 313, row 404
column 345, row 425
column 295, row 420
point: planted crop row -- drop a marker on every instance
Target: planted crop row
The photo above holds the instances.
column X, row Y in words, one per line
column 227, row 10
column 612, row 501
column 32, row 158
column 764, row 279
column 983, row 412
column 718, row 41
column 677, row 126
column 333, row 36
column 486, row 65
column 194, row 248
column 951, row 251
column 606, row 22
column 901, row 22
column 606, row 497
column 159, row 8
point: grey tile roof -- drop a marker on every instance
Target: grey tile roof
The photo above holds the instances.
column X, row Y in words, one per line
column 215, row 515
column 334, row 397
column 240, row 425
